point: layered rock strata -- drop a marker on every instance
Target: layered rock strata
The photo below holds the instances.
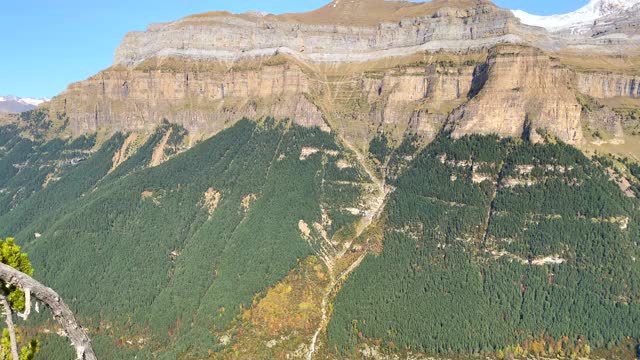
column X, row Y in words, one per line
column 608, row 85
column 382, row 29
column 357, row 67
column 525, row 90
column 202, row 101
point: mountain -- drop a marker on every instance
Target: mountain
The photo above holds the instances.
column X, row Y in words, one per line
column 311, row 36
column 372, row 179
column 403, row 67
column 487, row 241
column 584, row 18
column 236, row 247
column 14, row 104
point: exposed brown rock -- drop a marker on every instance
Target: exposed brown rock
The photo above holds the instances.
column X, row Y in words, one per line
column 606, row 120
column 372, row 12
column 122, row 155
column 203, row 101
column 402, row 66
column 623, row 183
column 211, row 200
column 608, row 85
column 247, row 201
column 7, row 118
column 524, row 88
column 158, row 152
column 344, row 30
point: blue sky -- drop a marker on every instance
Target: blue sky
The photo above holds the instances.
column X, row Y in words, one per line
column 48, row 44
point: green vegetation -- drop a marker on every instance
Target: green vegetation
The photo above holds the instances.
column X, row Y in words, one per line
column 379, row 147
column 11, row 255
column 540, row 249
column 27, row 352
column 164, row 258
column 27, row 166
column 77, row 176
column 492, row 247
column 37, row 122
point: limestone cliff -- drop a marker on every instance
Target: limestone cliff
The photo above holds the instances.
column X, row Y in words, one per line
column 361, row 30
column 204, row 99
column 412, row 97
column 524, row 90
column 357, row 68
column 344, row 30
column 607, row 85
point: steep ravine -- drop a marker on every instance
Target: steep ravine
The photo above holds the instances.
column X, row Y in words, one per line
column 377, row 200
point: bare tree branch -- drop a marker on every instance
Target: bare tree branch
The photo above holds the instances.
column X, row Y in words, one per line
column 60, row 310
column 12, row 330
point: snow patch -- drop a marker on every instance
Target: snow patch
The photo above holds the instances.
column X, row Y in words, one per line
column 26, row 101
column 34, row 102
column 585, row 16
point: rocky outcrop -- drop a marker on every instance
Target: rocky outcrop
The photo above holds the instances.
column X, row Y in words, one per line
column 607, row 85
column 357, row 67
column 205, row 97
column 626, row 23
column 525, row 90
column 203, row 101
column 364, row 30
column 7, row 118
column 607, row 120
column 344, row 30
column 515, row 89
column 436, row 83
column 418, row 98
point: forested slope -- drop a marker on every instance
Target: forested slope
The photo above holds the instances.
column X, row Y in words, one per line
column 493, row 246
column 485, row 246
column 161, row 258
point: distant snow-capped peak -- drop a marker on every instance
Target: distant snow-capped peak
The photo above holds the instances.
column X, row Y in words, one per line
column 14, row 105
column 586, row 15
column 26, row 101
column 34, row 102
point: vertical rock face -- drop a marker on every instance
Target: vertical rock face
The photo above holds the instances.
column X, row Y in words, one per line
column 524, row 90
column 418, row 98
column 341, row 31
column 515, row 89
column 438, row 84
column 607, row 85
column 203, row 100
column 356, row 66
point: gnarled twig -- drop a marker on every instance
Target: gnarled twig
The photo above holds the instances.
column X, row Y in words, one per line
column 60, row 310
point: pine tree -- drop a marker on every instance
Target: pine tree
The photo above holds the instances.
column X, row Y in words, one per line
column 13, row 300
